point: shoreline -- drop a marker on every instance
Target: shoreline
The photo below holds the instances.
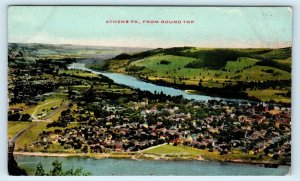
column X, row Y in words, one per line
column 179, row 87
column 114, row 155
column 141, row 156
column 188, row 88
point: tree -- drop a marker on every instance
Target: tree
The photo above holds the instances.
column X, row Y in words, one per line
column 26, row 117
column 14, row 116
column 76, row 172
column 40, row 170
column 200, row 83
column 58, row 171
column 57, row 168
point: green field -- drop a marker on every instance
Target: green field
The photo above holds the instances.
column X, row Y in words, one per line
column 177, row 151
column 240, row 64
column 55, row 115
column 269, row 94
column 113, row 88
column 176, row 70
column 153, row 63
column 16, row 126
column 46, row 105
column 287, row 61
column 212, row 67
column 80, row 73
column 242, row 70
column 281, row 53
column 80, row 87
column 32, row 134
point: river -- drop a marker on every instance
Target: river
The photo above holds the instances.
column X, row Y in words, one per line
column 142, row 85
column 123, row 167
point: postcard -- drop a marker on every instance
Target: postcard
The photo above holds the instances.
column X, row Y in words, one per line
column 149, row 90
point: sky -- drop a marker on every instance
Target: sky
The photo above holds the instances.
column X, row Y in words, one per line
column 213, row 27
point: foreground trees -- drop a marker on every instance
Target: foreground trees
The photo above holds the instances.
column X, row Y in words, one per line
column 58, row 171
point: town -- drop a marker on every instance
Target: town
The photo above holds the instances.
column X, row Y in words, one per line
column 92, row 114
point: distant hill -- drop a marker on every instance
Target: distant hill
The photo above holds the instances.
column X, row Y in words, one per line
column 216, row 58
column 209, row 67
column 93, row 54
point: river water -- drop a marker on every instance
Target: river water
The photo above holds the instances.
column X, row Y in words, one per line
column 142, row 85
column 123, row 167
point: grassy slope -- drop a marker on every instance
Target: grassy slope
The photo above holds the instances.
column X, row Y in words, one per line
column 30, row 135
column 282, row 53
column 287, row 61
column 54, row 100
column 79, row 73
column 46, row 107
column 213, row 66
column 269, row 94
column 33, row 135
column 240, row 64
column 16, row 126
column 175, row 150
column 194, row 152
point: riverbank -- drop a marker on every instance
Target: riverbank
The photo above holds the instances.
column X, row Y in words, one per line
column 210, row 93
column 136, row 83
column 229, row 92
column 145, row 156
column 132, row 155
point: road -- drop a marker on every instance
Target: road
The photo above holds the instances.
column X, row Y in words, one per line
column 33, row 114
column 16, row 136
column 12, row 141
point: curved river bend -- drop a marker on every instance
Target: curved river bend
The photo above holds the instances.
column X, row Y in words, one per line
column 142, row 85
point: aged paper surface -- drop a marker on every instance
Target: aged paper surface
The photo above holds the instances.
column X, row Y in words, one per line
column 127, row 90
